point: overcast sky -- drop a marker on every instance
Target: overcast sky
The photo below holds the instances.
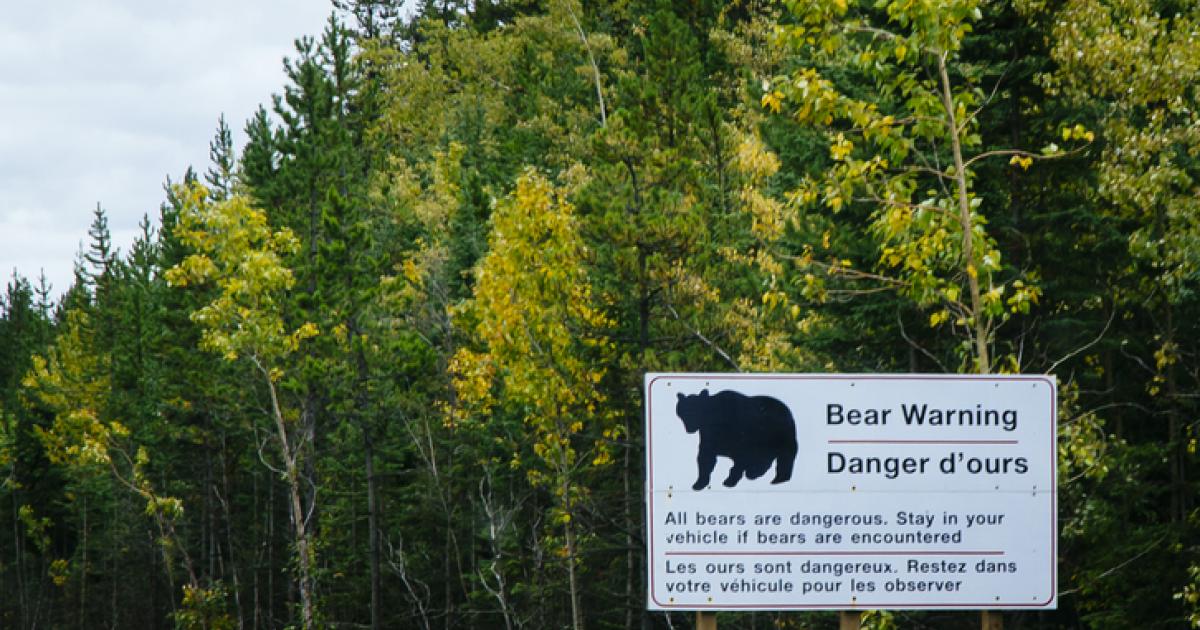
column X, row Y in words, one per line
column 101, row 100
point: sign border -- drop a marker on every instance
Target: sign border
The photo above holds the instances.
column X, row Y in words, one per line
column 651, row 378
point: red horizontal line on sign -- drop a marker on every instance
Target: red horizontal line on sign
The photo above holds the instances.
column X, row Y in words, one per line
column 923, row 442
column 834, row 553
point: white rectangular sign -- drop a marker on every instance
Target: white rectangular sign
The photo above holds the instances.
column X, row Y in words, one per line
column 838, row 491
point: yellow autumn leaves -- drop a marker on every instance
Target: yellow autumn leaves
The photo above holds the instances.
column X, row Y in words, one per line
column 236, row 251
column 543, row 335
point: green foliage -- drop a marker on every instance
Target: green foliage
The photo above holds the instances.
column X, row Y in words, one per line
column 204, row 608
column 1139, row 60
column 907, row 152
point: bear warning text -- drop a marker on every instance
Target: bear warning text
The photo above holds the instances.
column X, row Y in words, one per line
column 923, row 414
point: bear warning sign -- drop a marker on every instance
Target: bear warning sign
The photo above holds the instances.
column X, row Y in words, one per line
column 845, row 491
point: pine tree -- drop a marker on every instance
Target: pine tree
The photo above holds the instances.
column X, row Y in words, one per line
column 222, row 172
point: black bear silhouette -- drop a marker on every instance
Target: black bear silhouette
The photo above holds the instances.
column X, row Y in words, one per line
column 753, row 431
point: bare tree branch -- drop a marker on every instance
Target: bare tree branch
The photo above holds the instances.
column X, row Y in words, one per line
column 914, row 344
column 699, row 335
column 1085, row 346
column 1131, row 560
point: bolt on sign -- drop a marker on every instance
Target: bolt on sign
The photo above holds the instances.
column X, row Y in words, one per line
column 847, row 491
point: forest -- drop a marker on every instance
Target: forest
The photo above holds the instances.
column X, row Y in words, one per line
column 382, row 366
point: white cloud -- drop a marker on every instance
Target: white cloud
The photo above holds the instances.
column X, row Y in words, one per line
column 101, row 101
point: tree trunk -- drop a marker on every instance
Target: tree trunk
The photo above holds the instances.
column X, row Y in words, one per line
column 23, row 596
column 303, row 548
column 372, row 526
column 83, row 569
column 979, row 324
column 230, row 550
column 572, row 556
column 1176, row 447
column 979, row 327
column 291, row 453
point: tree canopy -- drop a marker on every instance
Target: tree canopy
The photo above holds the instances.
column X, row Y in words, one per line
column 382, row 365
